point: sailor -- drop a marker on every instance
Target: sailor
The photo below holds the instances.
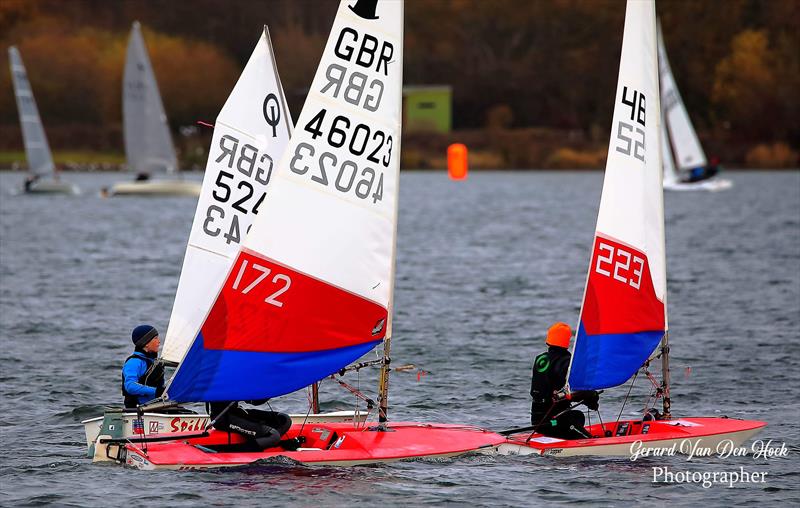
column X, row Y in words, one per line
column 551, row 412
column 701, row 173
column 29, row 181
column 263, row 429
column 142, row 375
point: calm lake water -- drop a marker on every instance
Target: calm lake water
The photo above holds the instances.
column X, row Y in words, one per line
column 483, row 268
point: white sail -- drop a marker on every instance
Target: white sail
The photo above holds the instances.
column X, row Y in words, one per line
column 148, row 143
column 250, row 136
column 311, row 289
column 37, row 150
column 688, row 152
column 623, row 316
column 671, row 176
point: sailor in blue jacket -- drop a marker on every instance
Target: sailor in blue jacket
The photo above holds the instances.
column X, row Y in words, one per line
column 142, row 375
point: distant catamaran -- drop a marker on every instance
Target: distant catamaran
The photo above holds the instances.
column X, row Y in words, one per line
column 623, row 325
column 678, row 135
column 43, row 177
column 148, row 143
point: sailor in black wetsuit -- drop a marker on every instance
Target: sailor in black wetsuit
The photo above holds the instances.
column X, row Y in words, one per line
column 550, row 412
column 263, row 429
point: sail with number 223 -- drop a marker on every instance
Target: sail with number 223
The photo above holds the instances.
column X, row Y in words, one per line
column 623, row 316
column 311, row 287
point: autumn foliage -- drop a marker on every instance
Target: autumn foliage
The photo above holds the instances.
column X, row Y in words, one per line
column 513, row 65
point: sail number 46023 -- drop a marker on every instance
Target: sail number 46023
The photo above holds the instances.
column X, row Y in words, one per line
column 327, row 164
column 282, row 281
column 619, row 267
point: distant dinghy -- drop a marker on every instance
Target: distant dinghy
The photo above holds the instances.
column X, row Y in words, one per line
column 42, row 176
column 678, row 135
column 148, row 143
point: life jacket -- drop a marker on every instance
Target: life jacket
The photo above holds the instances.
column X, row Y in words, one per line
column 549, row 375
column 153, row 376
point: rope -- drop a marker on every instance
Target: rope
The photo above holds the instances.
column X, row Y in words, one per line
column 602, row 426
column 626, row 397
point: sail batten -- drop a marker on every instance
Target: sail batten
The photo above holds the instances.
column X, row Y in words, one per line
column 309, row 290
column 623, row 315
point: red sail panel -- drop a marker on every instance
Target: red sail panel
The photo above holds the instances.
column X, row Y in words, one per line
column 268, row 307
column 620, row 297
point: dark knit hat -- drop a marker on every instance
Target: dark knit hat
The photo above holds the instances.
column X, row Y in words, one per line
column 143, row 334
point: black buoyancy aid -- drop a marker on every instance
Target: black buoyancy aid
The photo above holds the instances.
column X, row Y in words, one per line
column 153, row 376
column 549, row 374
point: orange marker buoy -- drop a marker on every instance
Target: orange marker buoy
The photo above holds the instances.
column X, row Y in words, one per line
column 457, row 161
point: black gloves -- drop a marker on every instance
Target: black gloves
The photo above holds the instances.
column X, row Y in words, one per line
column 592, row 400
column 292, row 444
column 159, row 391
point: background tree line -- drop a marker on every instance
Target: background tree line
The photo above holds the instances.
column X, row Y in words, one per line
column 513, row 64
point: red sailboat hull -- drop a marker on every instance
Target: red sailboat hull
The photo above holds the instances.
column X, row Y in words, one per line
column 698, row 436
column 326, row 444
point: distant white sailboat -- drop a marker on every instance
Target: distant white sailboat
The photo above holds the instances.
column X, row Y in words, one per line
column 43, row 177
column 678, row 134
column 148, row 143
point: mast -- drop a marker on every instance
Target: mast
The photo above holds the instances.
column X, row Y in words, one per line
column 383, row 381
column 383, row 384
column 666, row 157
column 315, row 398
column 665, row 376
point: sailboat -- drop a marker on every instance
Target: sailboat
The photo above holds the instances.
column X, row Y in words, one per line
column 678, row 134
column 43, row 177
column 148, row 143
column 623, row 321
column 309, row 290
column 246, row 145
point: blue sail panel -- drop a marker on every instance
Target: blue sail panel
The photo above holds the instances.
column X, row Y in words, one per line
column 606, row 360
column 209, row 375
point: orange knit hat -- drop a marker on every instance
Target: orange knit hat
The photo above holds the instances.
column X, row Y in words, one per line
column 559, row 335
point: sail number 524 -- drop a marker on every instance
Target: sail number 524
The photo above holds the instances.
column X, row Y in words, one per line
column 619, row 267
